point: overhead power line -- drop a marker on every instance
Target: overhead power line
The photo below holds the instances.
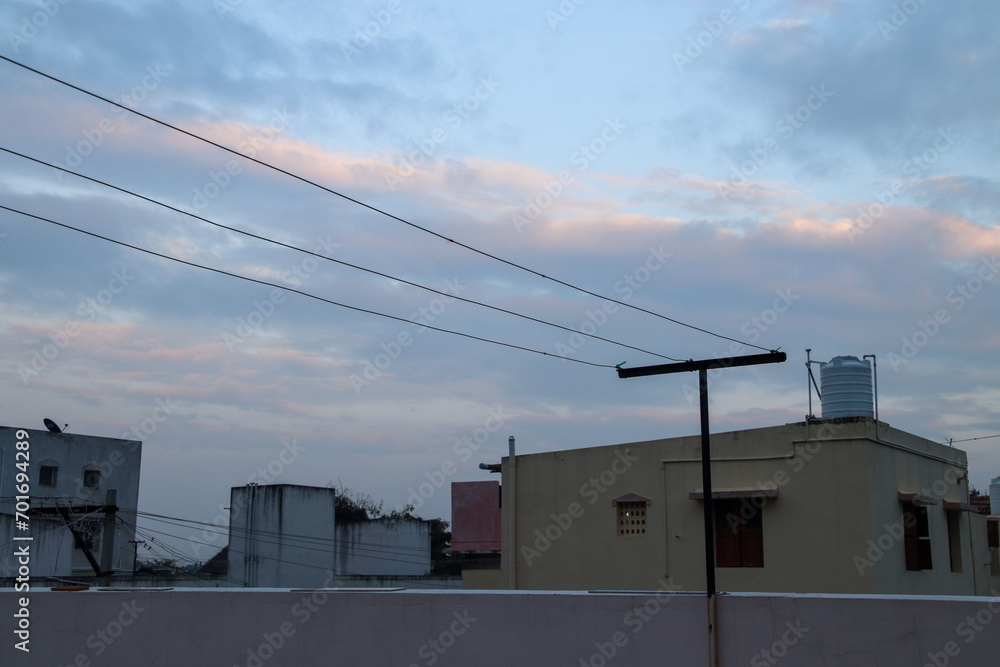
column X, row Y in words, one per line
column 401, row 555
column 233, row 550
column 982, row 437
column 233, row 529
column 375, row 209
column 297, row 291
column 329, row 259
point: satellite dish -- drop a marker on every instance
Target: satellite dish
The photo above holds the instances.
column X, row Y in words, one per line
column 52, row 426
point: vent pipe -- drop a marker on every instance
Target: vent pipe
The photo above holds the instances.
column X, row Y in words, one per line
column 995, row 496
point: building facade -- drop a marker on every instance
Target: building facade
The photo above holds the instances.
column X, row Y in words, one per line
column 67, row 477
column 287, row 536
column 845, row 505
column 476, row 524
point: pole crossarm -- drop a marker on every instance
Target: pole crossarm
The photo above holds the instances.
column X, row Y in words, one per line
column 702, row 364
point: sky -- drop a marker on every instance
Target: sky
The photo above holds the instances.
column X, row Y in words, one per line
column 790, row 174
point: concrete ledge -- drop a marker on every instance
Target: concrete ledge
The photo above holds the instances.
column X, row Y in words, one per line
column 258, row 627
column 254, row 627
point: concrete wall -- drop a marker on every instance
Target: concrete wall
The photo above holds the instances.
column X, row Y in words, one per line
column 284, row 535
column 929, row 469
column 117, row 461
column 281, row 535
column 836, row 485
column 51, row 547
column 475, row 516
column 810, row 530
column 483, row 580
column 759, row 630
column 383, row 547
column 313, row 627
column 122, row 581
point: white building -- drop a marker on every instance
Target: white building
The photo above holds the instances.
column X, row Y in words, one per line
column 66, row 477
column 287, row 536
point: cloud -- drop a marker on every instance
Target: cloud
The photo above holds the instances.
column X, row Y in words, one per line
column 756, row 247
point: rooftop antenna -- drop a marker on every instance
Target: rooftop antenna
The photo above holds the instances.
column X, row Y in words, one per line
column 54, row 427
column 811, row 382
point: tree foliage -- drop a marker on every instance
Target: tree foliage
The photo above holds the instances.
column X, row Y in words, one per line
column 352, row 506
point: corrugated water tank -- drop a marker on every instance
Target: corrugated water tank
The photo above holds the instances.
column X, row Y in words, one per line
column 846, row 385
column 995, row 496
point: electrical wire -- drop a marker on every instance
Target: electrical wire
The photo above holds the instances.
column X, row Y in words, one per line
column 305, row 539
column 330, row 259
column 58, row 520
column 982, row 437
column 279, row 560
column 170, row 555
column 375, row 209
column 296, row 291
column 310, row 543
column 167, row 552
column 323, row 544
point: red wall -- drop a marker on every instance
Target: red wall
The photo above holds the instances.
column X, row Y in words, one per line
column 475, row 516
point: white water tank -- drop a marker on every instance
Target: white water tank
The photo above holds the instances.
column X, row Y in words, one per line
column 995, row 496
column 846, row 388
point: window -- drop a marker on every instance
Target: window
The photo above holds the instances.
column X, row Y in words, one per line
column 47, row 475
column 631, row 510
column 955, row 540
column 92, row 479
column 917, row 538
column 632, row 518
column 739, row 534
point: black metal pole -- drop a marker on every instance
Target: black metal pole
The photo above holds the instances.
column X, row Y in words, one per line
column 703, row 366
column 706, row 483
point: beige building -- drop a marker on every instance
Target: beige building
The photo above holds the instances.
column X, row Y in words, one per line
column 845, row 505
